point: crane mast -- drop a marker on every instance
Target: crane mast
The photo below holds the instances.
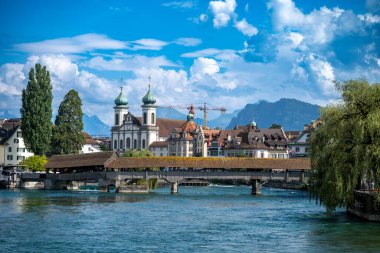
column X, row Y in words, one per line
column 205, row 108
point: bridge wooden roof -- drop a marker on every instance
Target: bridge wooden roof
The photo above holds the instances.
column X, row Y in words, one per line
column 80, row 160
column 210, row 163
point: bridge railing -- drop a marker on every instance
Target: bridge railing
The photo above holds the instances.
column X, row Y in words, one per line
column 77, row 176
column 32, row 176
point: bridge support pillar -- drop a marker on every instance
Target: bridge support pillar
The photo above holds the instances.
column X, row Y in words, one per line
column 302, row 176
column 174, row 188
column 287, row 179
column 256, row 187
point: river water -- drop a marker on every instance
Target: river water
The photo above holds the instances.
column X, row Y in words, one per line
column 198, row 219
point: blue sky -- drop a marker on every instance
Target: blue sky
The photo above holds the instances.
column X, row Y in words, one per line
column 227, row 53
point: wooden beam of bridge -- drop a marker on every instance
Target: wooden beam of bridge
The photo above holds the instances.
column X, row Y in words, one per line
column 210, row 163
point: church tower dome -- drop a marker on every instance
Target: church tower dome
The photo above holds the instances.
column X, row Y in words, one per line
column 149, row 99
column 121, row 99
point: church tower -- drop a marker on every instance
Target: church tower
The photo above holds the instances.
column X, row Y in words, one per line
column 149, row 109
column 121, row 108
column 149, row 126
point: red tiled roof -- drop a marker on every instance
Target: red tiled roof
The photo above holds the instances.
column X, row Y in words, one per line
column 166, row 126
column 86, row 135
column 188, row 127
column 159, row 144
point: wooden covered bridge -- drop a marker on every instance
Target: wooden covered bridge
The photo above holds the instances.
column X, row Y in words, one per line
column 107, row 168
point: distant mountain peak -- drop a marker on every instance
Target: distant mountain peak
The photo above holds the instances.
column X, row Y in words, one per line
column 94, row 126
column 290, row 113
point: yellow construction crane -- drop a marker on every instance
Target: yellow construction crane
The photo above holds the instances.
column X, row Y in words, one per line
column 205, row 108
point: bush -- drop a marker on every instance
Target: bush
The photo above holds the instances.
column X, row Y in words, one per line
column 34, row 163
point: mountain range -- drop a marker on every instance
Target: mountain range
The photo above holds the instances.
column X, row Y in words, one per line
column 291, row 114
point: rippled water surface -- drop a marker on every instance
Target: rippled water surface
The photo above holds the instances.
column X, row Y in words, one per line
column 198, row 219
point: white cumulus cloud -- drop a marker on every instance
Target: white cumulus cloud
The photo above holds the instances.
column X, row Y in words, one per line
column 244, row 27
column 222, row 11
column 203, row 66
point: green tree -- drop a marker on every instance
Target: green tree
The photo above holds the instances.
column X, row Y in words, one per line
column 34, row 163
column 103, row 147
column 275, row 126
column 138, row 153
column 345, row 150
column 67, row 133
column 36, row 111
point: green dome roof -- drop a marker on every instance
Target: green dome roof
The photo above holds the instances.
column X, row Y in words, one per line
column 253, row 123
column 149, row 99
column 121, row 99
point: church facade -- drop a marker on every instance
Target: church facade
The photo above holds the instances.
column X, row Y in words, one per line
column 131, row 132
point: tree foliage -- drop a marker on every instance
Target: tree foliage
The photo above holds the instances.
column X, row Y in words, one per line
column 104, row 147
column 275, row 126
column 67, row 133
column 345, row 150
column 138, row 153
column 34, row 163
column 36, row 111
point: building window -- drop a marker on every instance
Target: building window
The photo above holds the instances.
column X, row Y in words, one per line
column 145, row 118
column 121, row 144
column 262, row 154
column 116, row 119
column 152, row 118
column 161, row 154
column 19, row 135
column 297, row 149
column 115, row 144
column 135, row 144
column 143, row 144
column 20, row 158
column 21, row 150
column 16, row 140
column 9, row 149
column 128, row 142
column 9, row 157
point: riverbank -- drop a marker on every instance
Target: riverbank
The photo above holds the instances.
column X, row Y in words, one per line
column 364, row 206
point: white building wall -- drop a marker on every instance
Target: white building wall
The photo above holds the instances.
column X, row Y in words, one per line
column 14, row 150
column 159, row 151
column 87, row 148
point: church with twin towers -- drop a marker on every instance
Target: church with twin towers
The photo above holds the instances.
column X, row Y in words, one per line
column 132, row 132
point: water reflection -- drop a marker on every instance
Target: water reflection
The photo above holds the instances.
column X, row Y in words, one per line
column 212, row 219
column 28, row 201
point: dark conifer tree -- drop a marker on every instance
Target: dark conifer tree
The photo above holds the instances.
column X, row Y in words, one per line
column 36, row 111
column 67, row 132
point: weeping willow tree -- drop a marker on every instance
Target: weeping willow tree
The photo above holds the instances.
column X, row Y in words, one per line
column 345, row 150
